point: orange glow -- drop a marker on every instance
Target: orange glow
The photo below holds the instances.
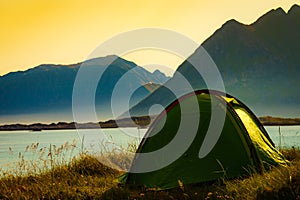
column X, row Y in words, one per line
column 35, row 32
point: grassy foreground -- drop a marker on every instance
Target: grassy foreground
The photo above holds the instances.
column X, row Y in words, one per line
column 86, row 178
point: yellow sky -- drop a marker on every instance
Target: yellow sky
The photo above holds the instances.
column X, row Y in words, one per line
column 34, row 32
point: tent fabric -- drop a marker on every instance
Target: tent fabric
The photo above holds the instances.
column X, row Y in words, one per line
column 265, row 149
column 243, row 147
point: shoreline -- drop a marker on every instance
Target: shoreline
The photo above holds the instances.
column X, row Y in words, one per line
column 133, row 122
column 138, row 122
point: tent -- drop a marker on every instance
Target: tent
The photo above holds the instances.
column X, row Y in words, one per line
column 242, row 147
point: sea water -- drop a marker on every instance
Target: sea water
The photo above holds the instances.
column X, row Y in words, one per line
column 34, row 145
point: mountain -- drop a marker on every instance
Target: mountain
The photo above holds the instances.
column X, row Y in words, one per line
column 259, row 64
column 47, row 89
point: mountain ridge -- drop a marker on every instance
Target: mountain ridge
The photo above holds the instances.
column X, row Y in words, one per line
column 48, row 87
column 258, row 63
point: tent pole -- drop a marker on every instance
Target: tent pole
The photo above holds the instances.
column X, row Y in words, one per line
column 279, row 138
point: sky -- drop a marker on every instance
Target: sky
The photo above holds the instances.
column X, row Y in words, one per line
column 37, row 32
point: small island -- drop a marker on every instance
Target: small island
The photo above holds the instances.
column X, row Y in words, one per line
column 278, row 121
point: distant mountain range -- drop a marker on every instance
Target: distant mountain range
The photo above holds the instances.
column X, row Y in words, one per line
column 46, row 90
column 259, row 64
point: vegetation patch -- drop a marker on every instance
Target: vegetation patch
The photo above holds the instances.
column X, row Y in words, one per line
column 87, row 178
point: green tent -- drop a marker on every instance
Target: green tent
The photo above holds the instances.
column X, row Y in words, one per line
column 242, row 147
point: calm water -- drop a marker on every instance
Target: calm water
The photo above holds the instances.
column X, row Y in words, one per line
column 64, row 143
column 31, row 145
column 290, row 135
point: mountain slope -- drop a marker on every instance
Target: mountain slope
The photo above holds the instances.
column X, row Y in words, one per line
column 48, row 88
column 259, row 64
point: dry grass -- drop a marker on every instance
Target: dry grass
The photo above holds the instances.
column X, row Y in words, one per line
column 279, row 183
column 276, row 184
column 84, row 177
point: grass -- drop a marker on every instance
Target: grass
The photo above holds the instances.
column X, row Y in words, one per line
column 84, row 177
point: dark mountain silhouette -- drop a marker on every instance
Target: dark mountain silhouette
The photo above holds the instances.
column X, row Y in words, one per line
column 259, row 64
column 48, row 88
